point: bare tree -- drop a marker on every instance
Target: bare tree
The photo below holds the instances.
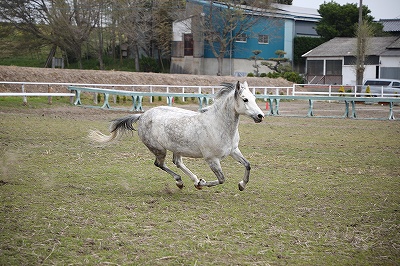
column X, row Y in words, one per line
column 363, row 33
column 225, row 21
column 64, row 23
column 163, row 17
column 135, row 25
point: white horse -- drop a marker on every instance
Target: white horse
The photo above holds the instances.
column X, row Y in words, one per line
column 211, row 134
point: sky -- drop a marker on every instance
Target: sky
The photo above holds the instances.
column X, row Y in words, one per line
column 380, row 9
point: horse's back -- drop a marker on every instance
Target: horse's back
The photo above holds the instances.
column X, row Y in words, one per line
column 170, row 128
column 163, row 113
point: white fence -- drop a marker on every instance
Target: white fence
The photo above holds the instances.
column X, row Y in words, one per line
column 47, row 89
column 25, row 87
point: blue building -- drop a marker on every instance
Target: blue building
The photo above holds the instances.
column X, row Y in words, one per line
column 266, row 30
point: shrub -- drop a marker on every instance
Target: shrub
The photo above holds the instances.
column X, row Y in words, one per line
column 273, row 75
column 263, row 75
column 149, row 64
column 341, row 90
column 250, row 74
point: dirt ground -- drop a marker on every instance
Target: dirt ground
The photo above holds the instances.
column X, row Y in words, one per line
column 30, row 74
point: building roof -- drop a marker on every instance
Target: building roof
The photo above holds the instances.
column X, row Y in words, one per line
column 390, row 25
column 296, row 12
column 276, row 10
column 339, row 47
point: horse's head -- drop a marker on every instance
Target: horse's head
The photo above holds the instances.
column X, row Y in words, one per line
column 246, row 102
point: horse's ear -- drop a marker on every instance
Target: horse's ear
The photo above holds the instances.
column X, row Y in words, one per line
column 238, row 86
column 245, row 84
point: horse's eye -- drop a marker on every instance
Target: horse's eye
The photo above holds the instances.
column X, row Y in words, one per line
column 245, row 100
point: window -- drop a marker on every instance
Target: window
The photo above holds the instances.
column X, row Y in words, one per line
column 350, row 60
column 241, row 37
column 377, row 82
column 263, row 39
column 188, row 44
column 369, row 60
column 334, row 67
column 315, row 67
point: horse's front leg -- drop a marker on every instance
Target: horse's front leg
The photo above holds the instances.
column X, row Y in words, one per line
column 238, row 156
column 215, row 166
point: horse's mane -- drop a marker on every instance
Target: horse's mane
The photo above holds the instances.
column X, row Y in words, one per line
column 228, row 88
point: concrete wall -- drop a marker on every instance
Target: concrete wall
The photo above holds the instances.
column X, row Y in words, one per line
column 209, row 66
column 187, row 65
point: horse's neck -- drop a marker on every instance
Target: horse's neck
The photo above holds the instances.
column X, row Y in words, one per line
column 225, row 116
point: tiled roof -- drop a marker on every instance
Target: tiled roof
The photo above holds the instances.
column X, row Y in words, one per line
column 347, row 47
column 390, row 25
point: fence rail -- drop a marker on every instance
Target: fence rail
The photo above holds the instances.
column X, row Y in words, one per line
column 273, row 95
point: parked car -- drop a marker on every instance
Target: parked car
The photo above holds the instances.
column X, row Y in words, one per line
column 389, row 86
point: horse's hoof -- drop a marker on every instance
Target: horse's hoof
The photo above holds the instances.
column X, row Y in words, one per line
column 180, row 185
column 241, row 186
column 200, row 184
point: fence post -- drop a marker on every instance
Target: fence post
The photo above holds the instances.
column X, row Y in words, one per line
column 71, row 98
column 167, row 96
column 114, row 96
column 24, row 98
column 49, row 90
column 151, row 90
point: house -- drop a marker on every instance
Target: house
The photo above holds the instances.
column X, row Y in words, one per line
column 275, row 30
column 333, row 62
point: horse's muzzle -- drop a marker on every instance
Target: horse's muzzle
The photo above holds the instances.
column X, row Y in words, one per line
column 259, row 118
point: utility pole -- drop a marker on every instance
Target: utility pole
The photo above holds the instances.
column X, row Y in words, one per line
column 360, row 49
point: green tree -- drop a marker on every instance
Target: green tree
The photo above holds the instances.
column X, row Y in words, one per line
column 277, row 67
column 302, row 45
column 255, row 57
column 285, row 2
column 63, row 23
column 340, row 20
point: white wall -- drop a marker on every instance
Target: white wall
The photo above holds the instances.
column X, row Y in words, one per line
column 390, row 61
column 289, row 33
column 179, row 28
column 230, row 67
column 349, row 75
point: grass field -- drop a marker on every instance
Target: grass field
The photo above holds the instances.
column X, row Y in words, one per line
column 321, row 192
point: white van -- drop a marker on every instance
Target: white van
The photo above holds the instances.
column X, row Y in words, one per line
column 381, row 87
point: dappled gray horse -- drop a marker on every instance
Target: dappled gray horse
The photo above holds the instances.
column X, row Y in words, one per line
column 211, row 134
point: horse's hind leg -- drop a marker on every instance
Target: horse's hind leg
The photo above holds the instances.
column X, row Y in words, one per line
column 160, row 162
column 177, row 159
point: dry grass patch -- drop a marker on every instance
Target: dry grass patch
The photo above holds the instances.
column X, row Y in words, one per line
column 321, row 190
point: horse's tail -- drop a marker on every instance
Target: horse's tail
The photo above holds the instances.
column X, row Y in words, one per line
column 117, row 128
